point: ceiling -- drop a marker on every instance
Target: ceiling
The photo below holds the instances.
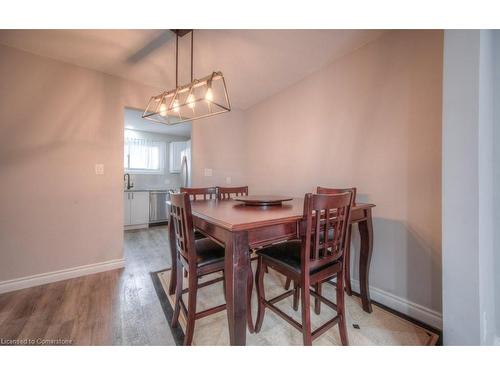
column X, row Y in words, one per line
column 256, row 63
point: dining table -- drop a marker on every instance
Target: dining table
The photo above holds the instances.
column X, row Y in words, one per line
column 239, row 228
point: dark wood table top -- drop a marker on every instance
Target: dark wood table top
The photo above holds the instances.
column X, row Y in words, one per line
column 235, row 216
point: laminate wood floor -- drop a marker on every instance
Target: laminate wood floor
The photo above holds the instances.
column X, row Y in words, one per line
column 118, row 307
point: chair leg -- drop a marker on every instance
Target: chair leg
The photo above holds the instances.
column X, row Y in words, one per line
column 317, row 301
column 306, row 313
column 261, row 295
column 251, row 327
column 191, row 313
column 178, row 296
column 296, row 293
column 341, row 309
column 287, row 283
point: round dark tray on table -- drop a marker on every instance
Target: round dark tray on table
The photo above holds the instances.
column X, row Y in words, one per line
column 263, row 200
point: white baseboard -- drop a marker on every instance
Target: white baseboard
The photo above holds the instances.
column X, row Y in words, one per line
column 68, row 273
column 414, row 310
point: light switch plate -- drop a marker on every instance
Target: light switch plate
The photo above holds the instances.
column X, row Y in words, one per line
column 228, row 180
column 99, row 169
column 208, row 172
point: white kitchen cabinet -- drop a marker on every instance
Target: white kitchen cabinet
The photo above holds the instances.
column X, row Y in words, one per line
column 126, row 208
column 176, row 151
column 136, row 208
column 139, row 208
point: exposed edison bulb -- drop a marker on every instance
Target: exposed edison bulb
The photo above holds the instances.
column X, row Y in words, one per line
column 175, row 105
column 190, row 101
column 209, row 95
column 163, row 109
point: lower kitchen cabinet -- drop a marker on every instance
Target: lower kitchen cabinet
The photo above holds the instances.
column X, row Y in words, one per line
column 136, row 208
column 126, row 209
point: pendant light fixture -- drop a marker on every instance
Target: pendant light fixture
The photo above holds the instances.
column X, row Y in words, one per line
column 200, row 98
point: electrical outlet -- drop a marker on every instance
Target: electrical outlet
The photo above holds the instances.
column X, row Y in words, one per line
column 208, row 172
column 228, row 180
column 99, row 169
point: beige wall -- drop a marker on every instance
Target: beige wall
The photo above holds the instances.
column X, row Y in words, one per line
column 56, row 122
column 371, row 120
column 219, row 143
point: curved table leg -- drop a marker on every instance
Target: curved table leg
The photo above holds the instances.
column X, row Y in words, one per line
column 347, row 263
column 251, row 327
column 366, row 233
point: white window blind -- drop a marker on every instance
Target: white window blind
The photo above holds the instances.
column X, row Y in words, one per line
column 144, row 156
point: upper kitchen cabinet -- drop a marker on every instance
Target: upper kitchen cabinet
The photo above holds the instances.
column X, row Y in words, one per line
column 176, row 152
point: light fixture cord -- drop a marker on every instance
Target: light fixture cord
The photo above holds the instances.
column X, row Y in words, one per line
column 192, row 37
column 176, row 59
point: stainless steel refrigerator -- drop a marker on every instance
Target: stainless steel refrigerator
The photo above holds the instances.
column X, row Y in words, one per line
column 186, row 166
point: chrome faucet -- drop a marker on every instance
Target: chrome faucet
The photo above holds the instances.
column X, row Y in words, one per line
column 126, row 177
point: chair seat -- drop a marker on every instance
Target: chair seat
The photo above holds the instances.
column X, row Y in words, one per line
column 288, row 254
column 208, row 252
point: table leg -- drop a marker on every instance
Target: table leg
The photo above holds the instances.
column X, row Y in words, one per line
column 347, row 262
column 366, row 233
column 236, row 268
column 173, row 256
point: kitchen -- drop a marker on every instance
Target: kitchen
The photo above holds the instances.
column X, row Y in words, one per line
column 157, row 160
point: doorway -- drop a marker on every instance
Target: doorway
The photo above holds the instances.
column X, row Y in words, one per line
column 157, row 161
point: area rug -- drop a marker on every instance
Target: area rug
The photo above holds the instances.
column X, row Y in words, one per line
column 381, row 327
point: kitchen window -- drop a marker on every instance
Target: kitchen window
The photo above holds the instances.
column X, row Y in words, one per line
column 143, row 156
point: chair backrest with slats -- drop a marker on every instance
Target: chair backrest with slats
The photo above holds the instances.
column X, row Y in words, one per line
column 182, row 219
column 230, row 192
column 325, row 190
column 326, row 218
column 200, row 194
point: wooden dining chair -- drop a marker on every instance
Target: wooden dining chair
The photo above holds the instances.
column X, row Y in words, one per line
column 203, row 193
column 231, row 192
column 198, row 257
column 313, row 259
column 347, row 251
column 200, row 194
